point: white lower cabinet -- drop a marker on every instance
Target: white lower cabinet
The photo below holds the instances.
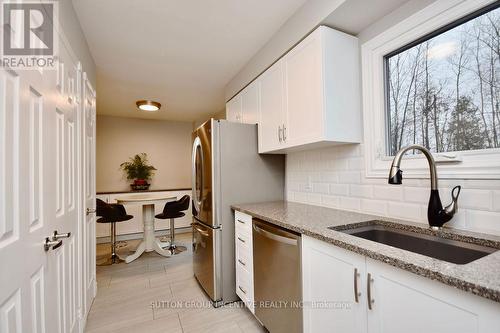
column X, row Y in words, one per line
column 330, row 279
column 400, row 301
column 244, row 259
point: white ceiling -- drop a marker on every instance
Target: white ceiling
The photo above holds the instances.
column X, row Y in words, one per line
column 180, row 53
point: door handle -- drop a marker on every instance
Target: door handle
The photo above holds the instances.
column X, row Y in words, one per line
column 202, row 232
column 369, row 281
column 242, row 290
column 51, row 244
column 241, row 262
column 90, row 211
column 284, row 133
column 241, row 239
column 57, row 236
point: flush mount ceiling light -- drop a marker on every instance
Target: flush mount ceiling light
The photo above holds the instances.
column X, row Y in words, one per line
column 145, row 105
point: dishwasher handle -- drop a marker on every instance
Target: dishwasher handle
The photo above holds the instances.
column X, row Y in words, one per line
column 278, row 238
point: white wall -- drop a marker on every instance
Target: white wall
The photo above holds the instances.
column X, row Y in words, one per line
column 74, row 34
column 297, row 27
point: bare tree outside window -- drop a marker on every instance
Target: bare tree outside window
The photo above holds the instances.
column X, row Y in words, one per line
column 444, row 92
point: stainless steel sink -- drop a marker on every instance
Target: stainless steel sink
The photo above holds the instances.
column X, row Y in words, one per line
column 454, row 251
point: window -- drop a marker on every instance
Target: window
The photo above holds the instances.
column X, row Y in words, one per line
column 434, row 79
column 443, row 91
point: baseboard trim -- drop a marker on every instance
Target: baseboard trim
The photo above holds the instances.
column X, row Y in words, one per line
column 139, row 235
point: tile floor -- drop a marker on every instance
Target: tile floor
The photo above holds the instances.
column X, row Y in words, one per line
column 157, row 294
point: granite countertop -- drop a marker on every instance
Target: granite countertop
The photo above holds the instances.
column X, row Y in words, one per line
column 142, row 191
column 480, row 277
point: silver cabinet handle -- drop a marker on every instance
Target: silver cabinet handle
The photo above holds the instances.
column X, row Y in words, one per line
column 242, row 290
column 90, row 211
column 279, row 134
column 241, row 262
column 51, row 244
column 241, row 240
column 57, row 236
column 356, row 293
column 284, row 133
column 369, row 281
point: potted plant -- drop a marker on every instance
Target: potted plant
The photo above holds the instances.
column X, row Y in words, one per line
column 138, row 170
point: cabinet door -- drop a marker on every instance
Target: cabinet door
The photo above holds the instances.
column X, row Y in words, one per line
column 330, row 279
column 271, row 108
column 304, row 96
column 233, row 109
column 405, row 302
column 250, row 104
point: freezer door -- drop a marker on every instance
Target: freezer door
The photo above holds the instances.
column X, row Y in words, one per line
column 202, row 173
column 206, row 262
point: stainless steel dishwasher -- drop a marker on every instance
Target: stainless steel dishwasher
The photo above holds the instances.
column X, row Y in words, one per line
column 277, row 277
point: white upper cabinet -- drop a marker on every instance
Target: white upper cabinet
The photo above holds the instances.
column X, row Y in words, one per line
column 272, row 109
column 304, row 121
column 309, row 98
column 321, row 95
column 250, row 104
column 233, row 109
column 244, row 107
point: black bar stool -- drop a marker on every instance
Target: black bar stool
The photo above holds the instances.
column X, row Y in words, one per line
column 173, row 210
column 111, row 213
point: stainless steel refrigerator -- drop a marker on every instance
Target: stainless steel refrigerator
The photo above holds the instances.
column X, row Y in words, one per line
column 226, row 170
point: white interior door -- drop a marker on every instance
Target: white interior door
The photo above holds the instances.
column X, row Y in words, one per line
column 38, row 196
column 88, row 237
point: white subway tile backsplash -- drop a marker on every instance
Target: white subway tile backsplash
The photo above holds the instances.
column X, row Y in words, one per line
column 350, row 203
column 377, row 207
column 488, row 222
column 330, row 201
column 335, row 177
column 361, row 191
column 321, row 188
column 496, row 200
column 388, row 192
column 405, row 210
column 470, row 198
column 349, row 177
column 329, row 177
column 416, row 194
column 356, row 163
column 339, row 189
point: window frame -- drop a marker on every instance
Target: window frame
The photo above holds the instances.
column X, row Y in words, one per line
column 431, row 21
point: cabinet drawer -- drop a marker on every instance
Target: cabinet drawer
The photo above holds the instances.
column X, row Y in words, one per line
column 244, row 257
column 244, row 239
column 242, row 222
column 244, row 288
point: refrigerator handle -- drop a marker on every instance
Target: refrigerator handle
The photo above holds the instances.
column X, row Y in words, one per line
column 196, row 200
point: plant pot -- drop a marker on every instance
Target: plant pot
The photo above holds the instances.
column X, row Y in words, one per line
column 140, row 182
column 139, row 187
